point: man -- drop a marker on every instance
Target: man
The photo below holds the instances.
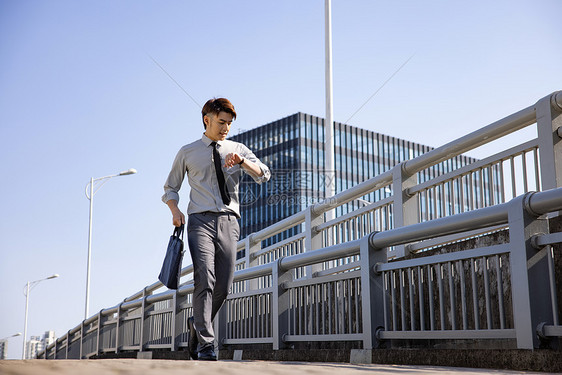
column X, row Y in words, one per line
column 213, row 166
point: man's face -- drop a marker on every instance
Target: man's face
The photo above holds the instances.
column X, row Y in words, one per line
column 218, row 126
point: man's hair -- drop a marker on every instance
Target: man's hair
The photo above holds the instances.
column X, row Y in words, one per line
column 216, row 106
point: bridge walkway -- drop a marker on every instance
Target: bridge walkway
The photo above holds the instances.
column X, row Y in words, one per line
column 175, row 367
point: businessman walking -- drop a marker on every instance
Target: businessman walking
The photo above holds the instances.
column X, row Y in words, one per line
column 213, row 166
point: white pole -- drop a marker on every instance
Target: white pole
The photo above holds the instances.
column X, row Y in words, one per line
column 25, row 325
column 89, row 250
column 91, row 198
column 329, row 137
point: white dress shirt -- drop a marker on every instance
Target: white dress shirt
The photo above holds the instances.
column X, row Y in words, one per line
column 196, row 160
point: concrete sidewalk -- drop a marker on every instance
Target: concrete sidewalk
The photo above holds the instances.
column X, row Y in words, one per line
column 171, row 367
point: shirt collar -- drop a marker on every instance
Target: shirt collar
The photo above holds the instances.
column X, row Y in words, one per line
column 207, row 141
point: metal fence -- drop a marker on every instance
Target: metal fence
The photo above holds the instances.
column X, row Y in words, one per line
column 351, row 278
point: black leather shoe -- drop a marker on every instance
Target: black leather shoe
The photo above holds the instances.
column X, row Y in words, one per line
column 192, row 343
column 207, row 354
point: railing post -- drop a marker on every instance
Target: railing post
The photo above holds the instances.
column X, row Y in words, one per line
column 176, row 321
column 313, row 239
column 372, row 292
column 406, row 209
column 221, row 321
column 280, row 304
column 67, row 344
column 144, row 323
column 549, row 129
column 98, row 334
column 530, row 286
column 252, row 247
column 81, row 340
column 118, row 327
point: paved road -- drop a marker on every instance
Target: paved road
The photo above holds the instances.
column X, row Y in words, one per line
column 169, row 367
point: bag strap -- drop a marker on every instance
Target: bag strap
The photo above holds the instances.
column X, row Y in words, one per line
column 178, row 232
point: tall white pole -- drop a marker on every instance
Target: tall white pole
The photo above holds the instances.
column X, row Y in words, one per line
column 89, row 250
column 25, row 325
column 329, row 124
column 91, row 198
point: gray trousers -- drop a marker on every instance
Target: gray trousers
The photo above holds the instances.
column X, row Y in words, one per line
column 212, row 240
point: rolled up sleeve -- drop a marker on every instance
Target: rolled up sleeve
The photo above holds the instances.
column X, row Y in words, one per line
column 175, row 178
column 248, row 154
column 266, row 173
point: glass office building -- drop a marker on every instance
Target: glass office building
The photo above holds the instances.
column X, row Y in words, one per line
column 293, row 148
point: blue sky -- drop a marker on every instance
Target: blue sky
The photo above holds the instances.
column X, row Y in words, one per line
column 80, row 97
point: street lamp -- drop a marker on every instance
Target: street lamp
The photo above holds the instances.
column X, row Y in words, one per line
column 30, row 285
column 9, row 337
column 95, row 184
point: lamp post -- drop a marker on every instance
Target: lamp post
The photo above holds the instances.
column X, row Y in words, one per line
column 4, row 345
column 329, row 169
column 30, row 285
column 328, row 133
column 94, row 185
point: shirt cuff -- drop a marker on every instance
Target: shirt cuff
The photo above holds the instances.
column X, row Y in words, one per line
column 170, row 195
column 266, row 174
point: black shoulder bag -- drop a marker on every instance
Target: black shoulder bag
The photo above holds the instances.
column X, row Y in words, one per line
column 171, row 269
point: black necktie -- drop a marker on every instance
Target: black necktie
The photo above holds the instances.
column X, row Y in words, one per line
column 220, row 176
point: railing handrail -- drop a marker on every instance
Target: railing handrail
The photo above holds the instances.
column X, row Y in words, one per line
column 489, row 133
column 498, row 129
column 529, row 145
column 536, row 203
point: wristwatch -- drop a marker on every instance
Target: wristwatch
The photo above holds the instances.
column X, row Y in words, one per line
column 241, row 161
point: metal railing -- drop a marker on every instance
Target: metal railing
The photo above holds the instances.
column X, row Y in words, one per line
column 349, row 279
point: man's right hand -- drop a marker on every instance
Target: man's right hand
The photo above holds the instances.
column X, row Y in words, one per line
column 178, row 217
